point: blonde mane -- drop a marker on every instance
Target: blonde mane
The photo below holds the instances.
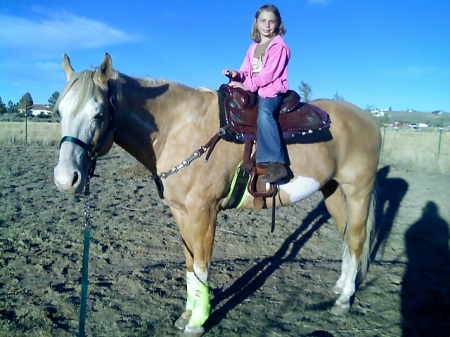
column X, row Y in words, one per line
column 87, row 87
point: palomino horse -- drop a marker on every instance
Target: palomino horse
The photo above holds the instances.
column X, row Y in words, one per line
column 162, row 123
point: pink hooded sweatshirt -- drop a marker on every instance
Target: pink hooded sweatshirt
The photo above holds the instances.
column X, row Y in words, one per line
column 272, row 79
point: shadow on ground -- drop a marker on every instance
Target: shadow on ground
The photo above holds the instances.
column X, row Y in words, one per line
column 426, row 283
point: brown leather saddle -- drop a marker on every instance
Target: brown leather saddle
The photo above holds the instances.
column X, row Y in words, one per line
column 241, row 111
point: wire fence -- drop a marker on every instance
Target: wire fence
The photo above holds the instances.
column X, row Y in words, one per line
column 425, row 149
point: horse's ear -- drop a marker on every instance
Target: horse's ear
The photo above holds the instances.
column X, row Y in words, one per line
column 67, row 67
column 105, row 70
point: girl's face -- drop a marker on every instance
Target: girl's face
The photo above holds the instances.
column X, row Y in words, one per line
column 267, row 24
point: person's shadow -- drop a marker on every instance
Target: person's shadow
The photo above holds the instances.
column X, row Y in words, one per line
column 425, row 293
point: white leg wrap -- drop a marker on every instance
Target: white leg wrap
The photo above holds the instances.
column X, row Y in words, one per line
column 190, row 287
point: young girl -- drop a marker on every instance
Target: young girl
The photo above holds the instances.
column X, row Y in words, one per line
column 265, row 70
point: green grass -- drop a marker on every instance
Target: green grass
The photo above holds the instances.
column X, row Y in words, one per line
column 31, row 132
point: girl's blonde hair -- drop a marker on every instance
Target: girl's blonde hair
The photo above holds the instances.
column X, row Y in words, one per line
column 280, row 30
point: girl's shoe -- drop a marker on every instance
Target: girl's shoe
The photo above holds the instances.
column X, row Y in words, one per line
column 274, row 172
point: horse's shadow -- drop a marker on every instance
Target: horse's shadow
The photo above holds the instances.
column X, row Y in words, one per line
column 425, row 295
column 246, row 285
column 390, row 194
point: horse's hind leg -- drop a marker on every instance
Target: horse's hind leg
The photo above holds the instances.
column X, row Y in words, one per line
column 356, row 248
column 336, row 204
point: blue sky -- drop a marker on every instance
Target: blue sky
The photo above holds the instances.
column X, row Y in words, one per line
column 384, row 53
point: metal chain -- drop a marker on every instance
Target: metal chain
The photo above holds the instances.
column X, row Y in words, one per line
column 197, row 153
column 184, row 163
column 87, row 204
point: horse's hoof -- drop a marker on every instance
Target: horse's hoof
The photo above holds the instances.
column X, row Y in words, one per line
column 193, row 331
column 336, row 289
column 340, row 309
column 181, row 322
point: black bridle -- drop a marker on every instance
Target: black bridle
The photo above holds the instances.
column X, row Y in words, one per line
column 91, row 151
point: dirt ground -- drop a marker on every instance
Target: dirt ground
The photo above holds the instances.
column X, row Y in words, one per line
column 262, row 283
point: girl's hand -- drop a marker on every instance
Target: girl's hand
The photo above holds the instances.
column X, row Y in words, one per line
column 229, row 73
column 236, row 84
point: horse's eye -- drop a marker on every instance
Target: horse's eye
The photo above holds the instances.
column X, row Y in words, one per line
column 99, row 117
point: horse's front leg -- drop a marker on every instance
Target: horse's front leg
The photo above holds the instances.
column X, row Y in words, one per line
column 197, row 230
column 197, row 297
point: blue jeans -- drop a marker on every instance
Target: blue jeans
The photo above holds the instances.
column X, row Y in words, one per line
column 268, row 147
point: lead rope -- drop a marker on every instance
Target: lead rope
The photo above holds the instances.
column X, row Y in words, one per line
column 84, row 270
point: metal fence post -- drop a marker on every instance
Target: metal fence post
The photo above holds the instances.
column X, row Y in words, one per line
column 26, row 123
column 441, row 128
column 384, row 139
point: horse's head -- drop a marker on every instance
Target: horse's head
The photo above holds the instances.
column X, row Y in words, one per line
column 86, row 110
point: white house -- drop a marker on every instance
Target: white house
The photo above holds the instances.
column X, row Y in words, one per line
column 377, row 113
column 38, row 110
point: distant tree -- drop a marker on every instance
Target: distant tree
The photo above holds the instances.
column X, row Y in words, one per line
column 385, row 120
column 52, row 100
column 12, row 108
column 2, row 107
column 369, row 107
column 305, row 91
column 25, row 101
column 337, row 97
